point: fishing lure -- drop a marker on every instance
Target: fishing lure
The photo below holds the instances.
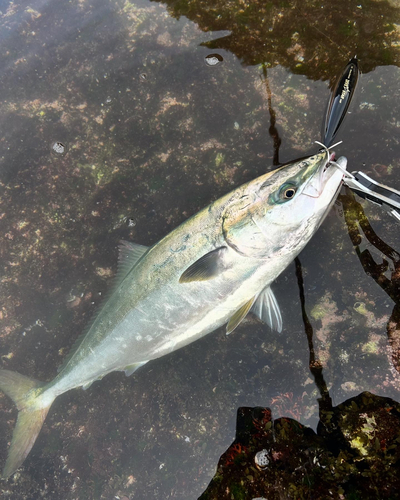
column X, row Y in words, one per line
column 340, row 101
column 338, row 105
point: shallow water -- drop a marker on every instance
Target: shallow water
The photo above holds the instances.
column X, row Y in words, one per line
column 152, row 134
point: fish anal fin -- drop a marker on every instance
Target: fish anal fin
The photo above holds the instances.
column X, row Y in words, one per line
column 205, row 268
column 239, row 316
column 130, row 369
column 266, row 308
column 30, row 416
column 88, row 384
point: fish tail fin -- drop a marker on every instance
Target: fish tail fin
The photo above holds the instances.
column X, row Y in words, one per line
column 24, row 392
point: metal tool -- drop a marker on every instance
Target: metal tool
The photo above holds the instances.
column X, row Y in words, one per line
column 384, row 196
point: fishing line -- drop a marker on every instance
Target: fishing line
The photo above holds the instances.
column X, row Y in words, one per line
column 346, row 173
column 330, row 147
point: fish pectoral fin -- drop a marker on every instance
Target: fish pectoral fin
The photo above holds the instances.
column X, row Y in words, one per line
column 205, row 268
column 239, row 316
column 132, row 368
column 266, row 308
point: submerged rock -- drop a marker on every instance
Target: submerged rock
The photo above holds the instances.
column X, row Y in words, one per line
column 354, row 453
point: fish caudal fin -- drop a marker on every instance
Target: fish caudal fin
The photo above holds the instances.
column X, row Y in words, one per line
column 24, row 392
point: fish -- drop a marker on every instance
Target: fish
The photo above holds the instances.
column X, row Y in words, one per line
column 212, row 270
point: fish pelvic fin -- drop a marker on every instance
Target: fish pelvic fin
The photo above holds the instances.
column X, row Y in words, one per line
column 239, row 316
column 267, row 309
column 24, row 392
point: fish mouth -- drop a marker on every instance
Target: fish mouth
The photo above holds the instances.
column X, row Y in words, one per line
column 317, row 183
column 332, row 157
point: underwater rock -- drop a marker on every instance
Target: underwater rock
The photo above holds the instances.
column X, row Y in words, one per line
column 354, row 453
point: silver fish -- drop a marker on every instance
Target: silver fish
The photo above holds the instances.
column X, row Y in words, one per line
column 211, row 270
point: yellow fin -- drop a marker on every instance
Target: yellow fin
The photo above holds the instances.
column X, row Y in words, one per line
column 239, row 316
column 23, row 391
column 132, row 368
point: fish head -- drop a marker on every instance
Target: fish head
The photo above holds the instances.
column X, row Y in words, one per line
column 280, row 211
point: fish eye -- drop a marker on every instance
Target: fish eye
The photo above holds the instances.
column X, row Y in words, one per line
column 289, row 193
column 304, row 163
column 285, row 193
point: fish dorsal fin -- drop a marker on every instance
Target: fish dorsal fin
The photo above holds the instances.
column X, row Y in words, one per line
column 239, row 316
column 205, row 268
column 129, row 255
column 267, row 309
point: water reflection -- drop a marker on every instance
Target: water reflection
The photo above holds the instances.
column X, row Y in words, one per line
column 273, row 131
column 310, row 38
column 380, row 261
